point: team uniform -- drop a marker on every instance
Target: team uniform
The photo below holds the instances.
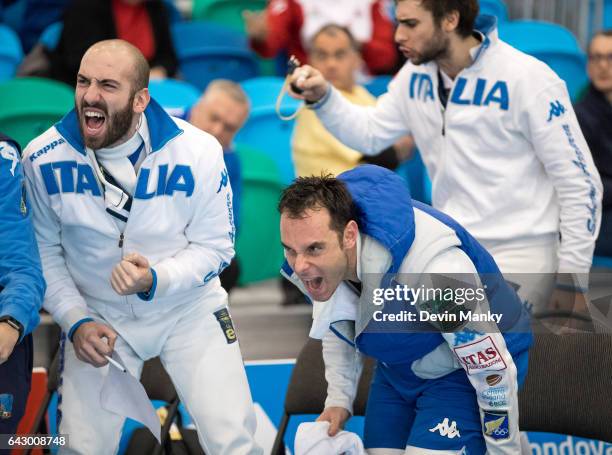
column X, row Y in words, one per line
column 504, row 152
column 21, row 285
column 180, row 218
column 452, row 390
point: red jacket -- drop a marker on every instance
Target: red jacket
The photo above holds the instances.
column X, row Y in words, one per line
column 285, row 19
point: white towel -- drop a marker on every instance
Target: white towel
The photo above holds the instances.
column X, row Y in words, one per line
column 312, row 439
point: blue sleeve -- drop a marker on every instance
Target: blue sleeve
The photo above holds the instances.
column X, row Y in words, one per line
column 22, row 286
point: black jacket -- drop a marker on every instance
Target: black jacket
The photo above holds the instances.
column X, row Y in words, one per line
column 89, row 21
column 594, row 114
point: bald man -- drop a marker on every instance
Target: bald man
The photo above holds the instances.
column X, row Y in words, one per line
column 133, row 215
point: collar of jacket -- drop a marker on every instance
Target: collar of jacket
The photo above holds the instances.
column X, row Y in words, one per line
column 487, row 25
column 162, row 128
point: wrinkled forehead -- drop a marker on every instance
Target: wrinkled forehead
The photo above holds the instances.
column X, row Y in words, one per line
column 107, row 63
column 601, row 44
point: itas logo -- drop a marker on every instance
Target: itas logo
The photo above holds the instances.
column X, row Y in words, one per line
column 6, row 406
column 449, row 431
column 480, row 355
column 496, row 425
column 556, row 110
column 493, row 379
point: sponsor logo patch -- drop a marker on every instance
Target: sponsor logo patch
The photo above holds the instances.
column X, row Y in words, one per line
column 227, row 326
column 480, row 355
column 493, row 379
column 496, row 425
column 6, row 406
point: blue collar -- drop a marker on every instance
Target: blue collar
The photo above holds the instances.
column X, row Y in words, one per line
column 162, row 128
column 486, row 25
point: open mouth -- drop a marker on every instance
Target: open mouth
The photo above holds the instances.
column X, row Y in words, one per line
column 94, row 121
column 313, row 285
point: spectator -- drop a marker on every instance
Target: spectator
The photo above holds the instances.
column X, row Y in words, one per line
column 221, row 112
column 595, row 116
column 334, row 52
column 143, row 23
column 22, row 289
column 499, row 138
column 132, row 248
column 288, row 25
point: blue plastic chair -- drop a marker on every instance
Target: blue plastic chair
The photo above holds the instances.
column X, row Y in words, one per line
column 495, row 8
column 378, row 85
column 602, row 262
column 264, row 131
column 553, row 44
column 415, row 174
column 208, row 51
column 263, row 91
column 607, row 16
column 51, row 35
column 176, row 97
column 11, row 52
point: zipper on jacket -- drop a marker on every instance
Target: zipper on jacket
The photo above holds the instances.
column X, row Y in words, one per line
column 121, row 241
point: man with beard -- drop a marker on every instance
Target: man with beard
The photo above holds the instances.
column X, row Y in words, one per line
column 133, row 215
column 498, row 136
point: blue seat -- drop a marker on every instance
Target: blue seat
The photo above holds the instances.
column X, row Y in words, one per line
column 207, row 51
column 176, row 97
column 11, row 52
column 378, row 85
column 264, row 131
column 51, row 35
column 553, row 44
column 495, row 8
column 607, row 16
column 602, row 262
column 415, row 174
column 263, row 91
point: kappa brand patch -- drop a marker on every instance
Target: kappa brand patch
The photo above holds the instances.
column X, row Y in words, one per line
column 227, row 326
column 6, row 406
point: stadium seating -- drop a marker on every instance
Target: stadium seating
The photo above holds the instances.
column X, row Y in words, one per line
column 263, row 91
column 607, row 16
column 31, row 105
column 602, row 262
column 308, row 388
column 258, row 245
column 176, row 97
column 555, row 45
column 51, row 35
column 415, row 174
column 495, row 8
column 227, row 12
column 378, row 85
column 11, row 52
column 209, row 51
column 567, row 390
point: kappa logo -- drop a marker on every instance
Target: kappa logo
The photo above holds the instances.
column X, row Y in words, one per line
column 493, row 379
column 224, row 180
column 450, row 431
column 10, row 154
column 556, row 110
column 6, row 406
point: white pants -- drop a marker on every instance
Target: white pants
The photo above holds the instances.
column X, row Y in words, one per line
column 208, row 374
column 530, row 264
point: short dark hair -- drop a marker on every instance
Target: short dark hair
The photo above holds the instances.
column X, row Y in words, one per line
column 467, row 9
column 605, row 33
column 313, row 192
column 334, row 29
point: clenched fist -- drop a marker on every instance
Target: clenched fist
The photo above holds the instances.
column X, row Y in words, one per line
column 132, row 275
